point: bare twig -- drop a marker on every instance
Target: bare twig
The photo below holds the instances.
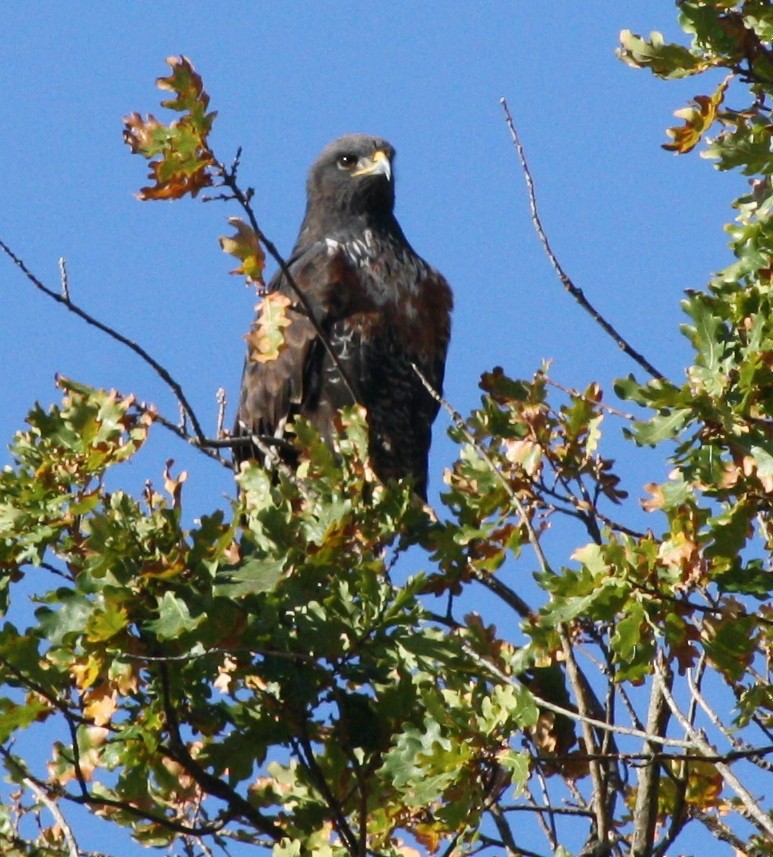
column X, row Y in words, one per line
column 548, row 824
column 755, row 814
column 566, row 281
column 222, row 401
column 503, row 828
column 714, row 717
column 555, row 810
column 64, row 299
column 204, row 444
column 64, row 279
column 721, row 831
column 645, row 814
column 571, row 391
column 597, row 772
column 53, row 808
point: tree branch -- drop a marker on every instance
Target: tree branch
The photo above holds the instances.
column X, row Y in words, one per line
column 64, row 299
column 762, row 820
column 566, row 281
column 597, row 773
column 53, row 808
column 576, row 716
column 211, row 784
column 645, row 815
column 88, row 799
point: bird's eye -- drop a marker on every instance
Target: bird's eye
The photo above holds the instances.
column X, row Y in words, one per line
column 347, row 161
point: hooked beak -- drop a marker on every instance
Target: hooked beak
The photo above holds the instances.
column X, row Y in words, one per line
column 378, row 164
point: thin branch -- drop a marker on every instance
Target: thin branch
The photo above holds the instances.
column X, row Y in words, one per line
column 88, row 799
column 305, row 755
column 645, row 814
column 49, row 695
column 597, row 773
column 178, row 751
column 712, row 715
column 566, row 281
column 577, row 394
column 763, row 821
column 629, row 707
column 646, row 757
column 574, row 715
column 64, row 299
column 548, row 824
column 503, row 828
column 203, row 444
column 555, row 810
column 721, row 831
column 502, row 591
column 53, row 808
column 209, row 445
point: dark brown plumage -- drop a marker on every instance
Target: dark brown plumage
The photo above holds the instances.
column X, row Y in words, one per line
column 380, row 306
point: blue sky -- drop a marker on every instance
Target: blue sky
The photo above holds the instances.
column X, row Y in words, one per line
column 632, row 224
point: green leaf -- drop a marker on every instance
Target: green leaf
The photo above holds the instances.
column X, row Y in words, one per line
column 15, row 717
column 252, row 576
column 67, row 622
column 664, row 60
column 661, row 427
column 174, row 618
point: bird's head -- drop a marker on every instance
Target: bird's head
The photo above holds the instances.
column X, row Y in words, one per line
column 353, row 175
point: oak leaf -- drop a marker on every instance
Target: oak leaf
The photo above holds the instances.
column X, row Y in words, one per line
column 245, row 246
column 698, row 118
column 266, row 340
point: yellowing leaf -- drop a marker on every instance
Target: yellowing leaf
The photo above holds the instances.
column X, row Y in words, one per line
column 101, row 705
column 85, row 672
column 174, row 486
column 526, row 453
column 698, row 119
column 245, row 246
column 266, row 340
column 186, row 83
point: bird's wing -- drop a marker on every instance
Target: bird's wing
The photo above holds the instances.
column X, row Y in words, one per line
column 276, row 390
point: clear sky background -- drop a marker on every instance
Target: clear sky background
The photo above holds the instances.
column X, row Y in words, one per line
column 632, row 224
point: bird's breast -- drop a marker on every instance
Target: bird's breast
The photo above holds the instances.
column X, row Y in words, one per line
column 385, row 296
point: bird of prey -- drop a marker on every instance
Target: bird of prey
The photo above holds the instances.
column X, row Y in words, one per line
column 378, row 304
